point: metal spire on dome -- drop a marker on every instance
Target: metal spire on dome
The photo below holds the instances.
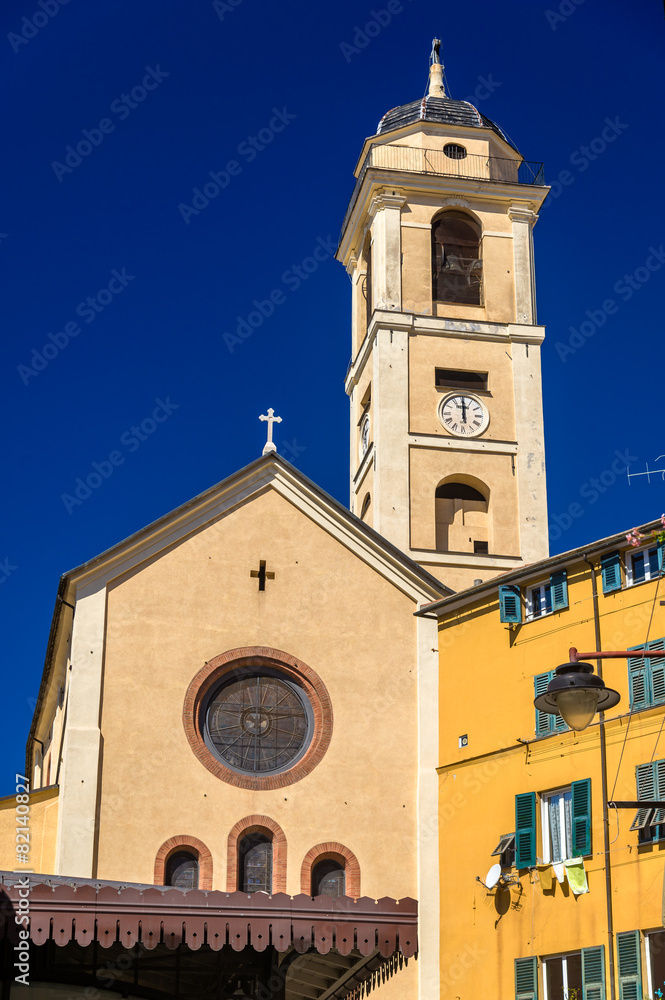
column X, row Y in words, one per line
column 435, row 71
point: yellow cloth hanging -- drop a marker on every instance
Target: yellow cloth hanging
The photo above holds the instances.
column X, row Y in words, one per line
column 546, row 876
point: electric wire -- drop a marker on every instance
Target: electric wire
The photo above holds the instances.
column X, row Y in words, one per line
column 642, row 668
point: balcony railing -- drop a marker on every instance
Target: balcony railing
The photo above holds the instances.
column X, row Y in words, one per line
column 474, row 166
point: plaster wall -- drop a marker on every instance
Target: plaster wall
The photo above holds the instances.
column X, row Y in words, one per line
column 324, row 606
column 428, row 466
column 428, row 352
column 483, row 932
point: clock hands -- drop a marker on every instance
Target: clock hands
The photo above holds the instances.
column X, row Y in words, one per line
column 463, row 403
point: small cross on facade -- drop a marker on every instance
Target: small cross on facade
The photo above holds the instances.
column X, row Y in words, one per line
column 262, row 574
column 272, row 419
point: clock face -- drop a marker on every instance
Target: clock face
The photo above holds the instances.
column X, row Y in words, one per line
column 463, row 415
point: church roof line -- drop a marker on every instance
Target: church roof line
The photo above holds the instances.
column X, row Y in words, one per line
column 271, row 464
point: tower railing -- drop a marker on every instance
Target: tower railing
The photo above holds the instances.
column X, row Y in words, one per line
column 473, row 166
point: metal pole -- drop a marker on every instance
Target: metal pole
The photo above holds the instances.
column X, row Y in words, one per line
column 603, row 771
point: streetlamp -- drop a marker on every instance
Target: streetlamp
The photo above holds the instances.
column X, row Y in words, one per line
column 576, row 693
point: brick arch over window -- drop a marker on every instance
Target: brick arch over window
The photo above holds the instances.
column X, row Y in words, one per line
column 339, row 852
column 183, row 842
column 290, row 667
column 267, row 826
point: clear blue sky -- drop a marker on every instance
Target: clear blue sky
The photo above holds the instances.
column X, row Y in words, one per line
column 209, row 78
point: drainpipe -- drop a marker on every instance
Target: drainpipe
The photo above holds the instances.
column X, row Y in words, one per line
column 603, row 769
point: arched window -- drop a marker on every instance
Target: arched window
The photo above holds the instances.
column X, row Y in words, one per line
column 457, row 270
column 255, row 863
column 365, row 507
column 182, row 870
column 329, row 878
column 461, row 518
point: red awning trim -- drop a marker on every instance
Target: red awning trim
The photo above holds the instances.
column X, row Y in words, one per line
column 85, row 913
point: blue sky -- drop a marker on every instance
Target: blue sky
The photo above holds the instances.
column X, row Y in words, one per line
column 132, row 292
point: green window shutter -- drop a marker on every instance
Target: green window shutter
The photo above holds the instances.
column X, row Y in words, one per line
column 559, row 590
column 630, row 965
column 610, row 565
column 544, row 721
column 638, row 682
column 593, row 973
column 526, row 978
column 581, row 817
column 510, row 604
column 660, row 556
column 559, row 725
column 525, row 830
column 657, row 672
column 659, row 781
column 646, row 784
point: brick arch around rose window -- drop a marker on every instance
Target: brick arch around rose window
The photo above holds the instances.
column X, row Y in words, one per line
column 331, row 849
column 257, row 824
column 290, row 667
column 184, row 842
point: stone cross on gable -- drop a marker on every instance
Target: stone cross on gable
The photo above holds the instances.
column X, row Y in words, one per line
column 272, row 419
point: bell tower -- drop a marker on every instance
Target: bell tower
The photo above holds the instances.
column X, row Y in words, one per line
column 447, row 451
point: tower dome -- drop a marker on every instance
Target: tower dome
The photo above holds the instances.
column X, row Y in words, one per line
column 437, row 107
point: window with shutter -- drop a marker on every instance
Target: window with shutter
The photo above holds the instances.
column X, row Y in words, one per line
column 646, row 676
column 655, row 961
column 510, row 604
column 538, row 601
column 645, row 564
column 630, row 965
column 593, row 973
column 581, row 802
column 559, row 586
column 566, row 822
column 545, row 722
column 610, row 565
column 526, row 978
column 525, row 830
column 650, row 779
column 562, row 977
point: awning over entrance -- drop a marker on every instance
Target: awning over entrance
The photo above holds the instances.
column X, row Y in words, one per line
column 302, row 947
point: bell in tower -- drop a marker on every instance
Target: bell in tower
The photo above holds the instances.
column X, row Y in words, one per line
column 447, row 450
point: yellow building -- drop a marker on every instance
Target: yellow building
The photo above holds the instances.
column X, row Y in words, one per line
column 578, row 908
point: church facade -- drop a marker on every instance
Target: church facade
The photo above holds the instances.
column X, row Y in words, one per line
column 231, row 771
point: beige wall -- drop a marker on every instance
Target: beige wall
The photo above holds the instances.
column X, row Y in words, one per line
column 497, row 255
column 430, row 465
column 426, row 353
column 324, row 606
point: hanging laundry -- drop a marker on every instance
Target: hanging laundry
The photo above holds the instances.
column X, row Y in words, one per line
column 576, row 875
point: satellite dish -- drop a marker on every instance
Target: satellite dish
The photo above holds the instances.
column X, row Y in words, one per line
column 493, row 876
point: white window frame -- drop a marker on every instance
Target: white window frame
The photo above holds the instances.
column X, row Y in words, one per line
column 564, row 956
column 530, row 616
column 545, row 826
column 647, row 954
column 630, row 555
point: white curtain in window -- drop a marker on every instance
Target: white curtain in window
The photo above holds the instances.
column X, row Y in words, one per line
column 560, row 815
column 555, row 827
column 568, row 812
